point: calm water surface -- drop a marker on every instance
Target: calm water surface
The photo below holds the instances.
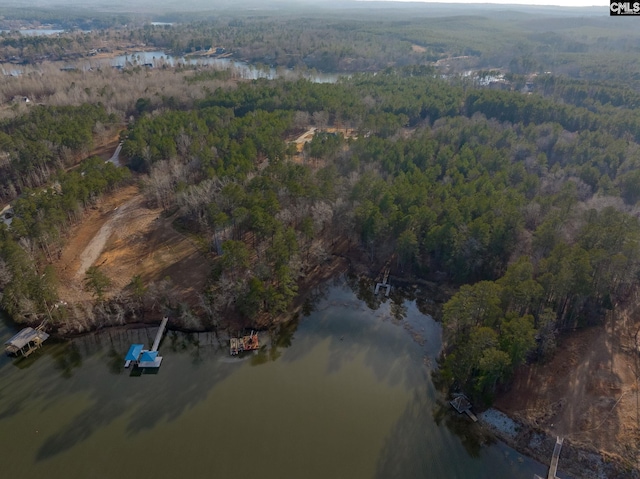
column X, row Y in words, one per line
column 158, row 59
column 242, row 69
column 345, row 395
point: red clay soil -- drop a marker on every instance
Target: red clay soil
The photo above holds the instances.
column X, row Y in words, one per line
column 126, row 237
column 587, row 393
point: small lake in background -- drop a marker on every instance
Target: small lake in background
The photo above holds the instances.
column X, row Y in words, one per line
column 36, row 32
column 344, row 392
column 158, row 59
column 241, row 69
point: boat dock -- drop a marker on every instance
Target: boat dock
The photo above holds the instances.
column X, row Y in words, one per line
column 143, row 358
column 159, row 334
column 25, row 342
column 555, row 457
column 462, row 404
column 244, row 343
column 384, row 283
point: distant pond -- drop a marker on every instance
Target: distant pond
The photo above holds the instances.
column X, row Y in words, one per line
column 343, row 392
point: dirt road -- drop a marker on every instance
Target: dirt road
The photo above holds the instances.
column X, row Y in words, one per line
column 96, row 246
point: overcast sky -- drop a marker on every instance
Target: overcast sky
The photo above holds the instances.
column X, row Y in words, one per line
column 564, row 3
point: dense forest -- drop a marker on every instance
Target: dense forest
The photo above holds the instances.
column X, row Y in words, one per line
column 525, row 201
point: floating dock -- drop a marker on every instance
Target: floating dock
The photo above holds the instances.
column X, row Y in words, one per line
column 25, row 342
column 142, row 358
column 462, row 404
column 245, row 343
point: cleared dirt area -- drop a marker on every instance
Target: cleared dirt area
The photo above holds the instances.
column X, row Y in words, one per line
column 106, row 148
column 125, row 237
column 308, row 135
column 588, row 392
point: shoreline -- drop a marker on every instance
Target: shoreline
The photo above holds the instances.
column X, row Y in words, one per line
column 578, row 461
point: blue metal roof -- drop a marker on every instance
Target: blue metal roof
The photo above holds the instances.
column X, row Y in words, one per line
column 149, row 356
column 134, row 352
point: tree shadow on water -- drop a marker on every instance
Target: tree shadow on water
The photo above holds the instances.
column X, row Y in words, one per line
column 418, row 445
column 472, row 437
column 145, row 401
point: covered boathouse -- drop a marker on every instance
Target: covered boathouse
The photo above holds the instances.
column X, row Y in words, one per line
column 25, row 342
column 142, row 358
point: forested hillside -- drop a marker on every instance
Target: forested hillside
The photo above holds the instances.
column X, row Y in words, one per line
column 529, row 206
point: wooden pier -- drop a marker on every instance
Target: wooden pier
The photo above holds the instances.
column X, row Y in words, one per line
column 553, row 469
column 555, row 457
column 159, row 334
column 462, row 404
column 384, row 284
column 244, row 343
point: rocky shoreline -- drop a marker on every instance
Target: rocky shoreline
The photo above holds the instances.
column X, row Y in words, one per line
column 577, row 461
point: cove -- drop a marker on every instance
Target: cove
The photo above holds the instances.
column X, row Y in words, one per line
column 344, row 392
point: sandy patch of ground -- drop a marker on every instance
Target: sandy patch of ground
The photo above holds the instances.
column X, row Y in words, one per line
column 587, row 392
column 106, row 148
column 418, row 48
column 306, row 137
column 125, row 237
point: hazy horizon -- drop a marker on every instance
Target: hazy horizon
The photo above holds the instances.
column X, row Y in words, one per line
column 124, row 5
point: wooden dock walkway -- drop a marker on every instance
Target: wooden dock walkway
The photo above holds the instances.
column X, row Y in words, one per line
column 555, row 458
column 553, row 468
column 384, row 283
column 156, row 342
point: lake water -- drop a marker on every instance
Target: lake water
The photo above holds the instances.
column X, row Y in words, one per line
column 241, row 69
column 37, row 32
column 159, row 58
column 345, row 393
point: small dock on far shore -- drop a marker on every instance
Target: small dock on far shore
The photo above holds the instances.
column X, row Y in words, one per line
column 462, row 404
column 384, row 284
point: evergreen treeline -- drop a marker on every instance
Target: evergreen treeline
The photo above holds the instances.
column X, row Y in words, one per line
column 36, row 145
column 27, row 282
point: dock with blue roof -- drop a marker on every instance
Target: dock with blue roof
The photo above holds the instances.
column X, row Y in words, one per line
column 143, row 358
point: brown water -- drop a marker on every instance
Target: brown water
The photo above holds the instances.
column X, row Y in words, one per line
column 345, row 395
